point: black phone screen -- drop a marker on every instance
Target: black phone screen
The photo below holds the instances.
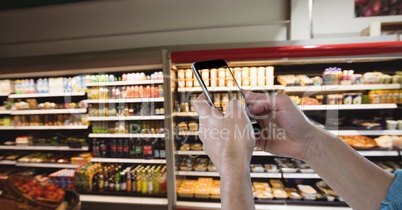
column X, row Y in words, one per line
column 218, row 82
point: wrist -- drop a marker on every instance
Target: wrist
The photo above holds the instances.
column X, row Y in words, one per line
column 318, row 140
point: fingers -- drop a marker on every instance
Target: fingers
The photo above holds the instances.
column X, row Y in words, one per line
column 204, row 109
column 235, row 109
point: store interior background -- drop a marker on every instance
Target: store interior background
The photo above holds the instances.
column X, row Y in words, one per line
column 84, row 34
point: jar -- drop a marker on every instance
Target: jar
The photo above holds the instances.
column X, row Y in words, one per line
column 180, row 74
column 253, row 81
column 184, row 107
column 189, row 73
column 213, row 83
column 331, row 99
column 221, row 73
column 197, row 84
column 213, row 73
column 181, row 83
column 245, row 81
column 221, row 82
column 205, row 73
column 253, row 72
column 189, row 82
column 229, row 82
column 245, row 72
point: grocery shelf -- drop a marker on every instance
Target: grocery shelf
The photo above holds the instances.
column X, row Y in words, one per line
column 47, row 165
column 348, row 106
column 128, row 160
column 48, row 111
column 369, row 153
column 43, row 148
column 66, row 127
column 129, row 135
column 336, row 88
column 185, row 114
column 216, row 174
column 8, row 162
column 4, row 94
column 120, row 83
column 188, row 133
column 366, row 132
column 5, row 111
column 123, row 200
column 112, row 118
column 215, row 205
column 125, row 100
column 6, row 127
column 255, row 153
column 221, row 89
column 36, row 95
column 300, row 176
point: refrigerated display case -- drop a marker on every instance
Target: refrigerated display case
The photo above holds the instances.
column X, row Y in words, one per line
column 364, row 118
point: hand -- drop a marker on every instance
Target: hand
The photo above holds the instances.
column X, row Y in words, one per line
column 227, row 138
column 285, row 130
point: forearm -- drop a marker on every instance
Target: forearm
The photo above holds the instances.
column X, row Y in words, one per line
column 359, row 182
column 236, row 191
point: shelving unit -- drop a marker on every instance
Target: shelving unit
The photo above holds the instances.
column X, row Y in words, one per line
column 44, row 148
column 8, row 162
column 46, row 165
column 122, row 83
column 124, row 200
column 66, row 127
column 337, row 88
column 128, row 160
column 155, row 117
column 47, row 111
column 286, row 57
column 5, row 111
column 38, row 95
column 216, row 205
column 125, row 100
column 130, row 135
column 221, row 89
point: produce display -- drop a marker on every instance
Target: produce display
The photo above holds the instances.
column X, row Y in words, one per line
column 48, row 120
column 39, row 190
column 49, row 157
column 44, row 140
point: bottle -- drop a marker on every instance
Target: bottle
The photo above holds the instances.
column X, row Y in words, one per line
column 138, row 179
column 155, row 181
column 95, row 148
column 123, row 181
column 103, row 149
column 150, row 184
column 144, row 182
column 95, row 182
column 131, row 110
column 106, row 178
column 117, row 178
column 101, row 179
column 131, row 149
column 162, row 151
column 111, row 180
column 128, row 180
column 133, row 181
column 113, row 149
column 126, row 149
column 147, row 149
column 126, row 111
column 138, row 149
column 119, row 148
column 156, row 149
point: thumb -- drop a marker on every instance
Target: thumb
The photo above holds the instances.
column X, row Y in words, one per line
column 203, row 108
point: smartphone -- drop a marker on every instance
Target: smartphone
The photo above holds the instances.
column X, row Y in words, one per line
column 198, row 66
